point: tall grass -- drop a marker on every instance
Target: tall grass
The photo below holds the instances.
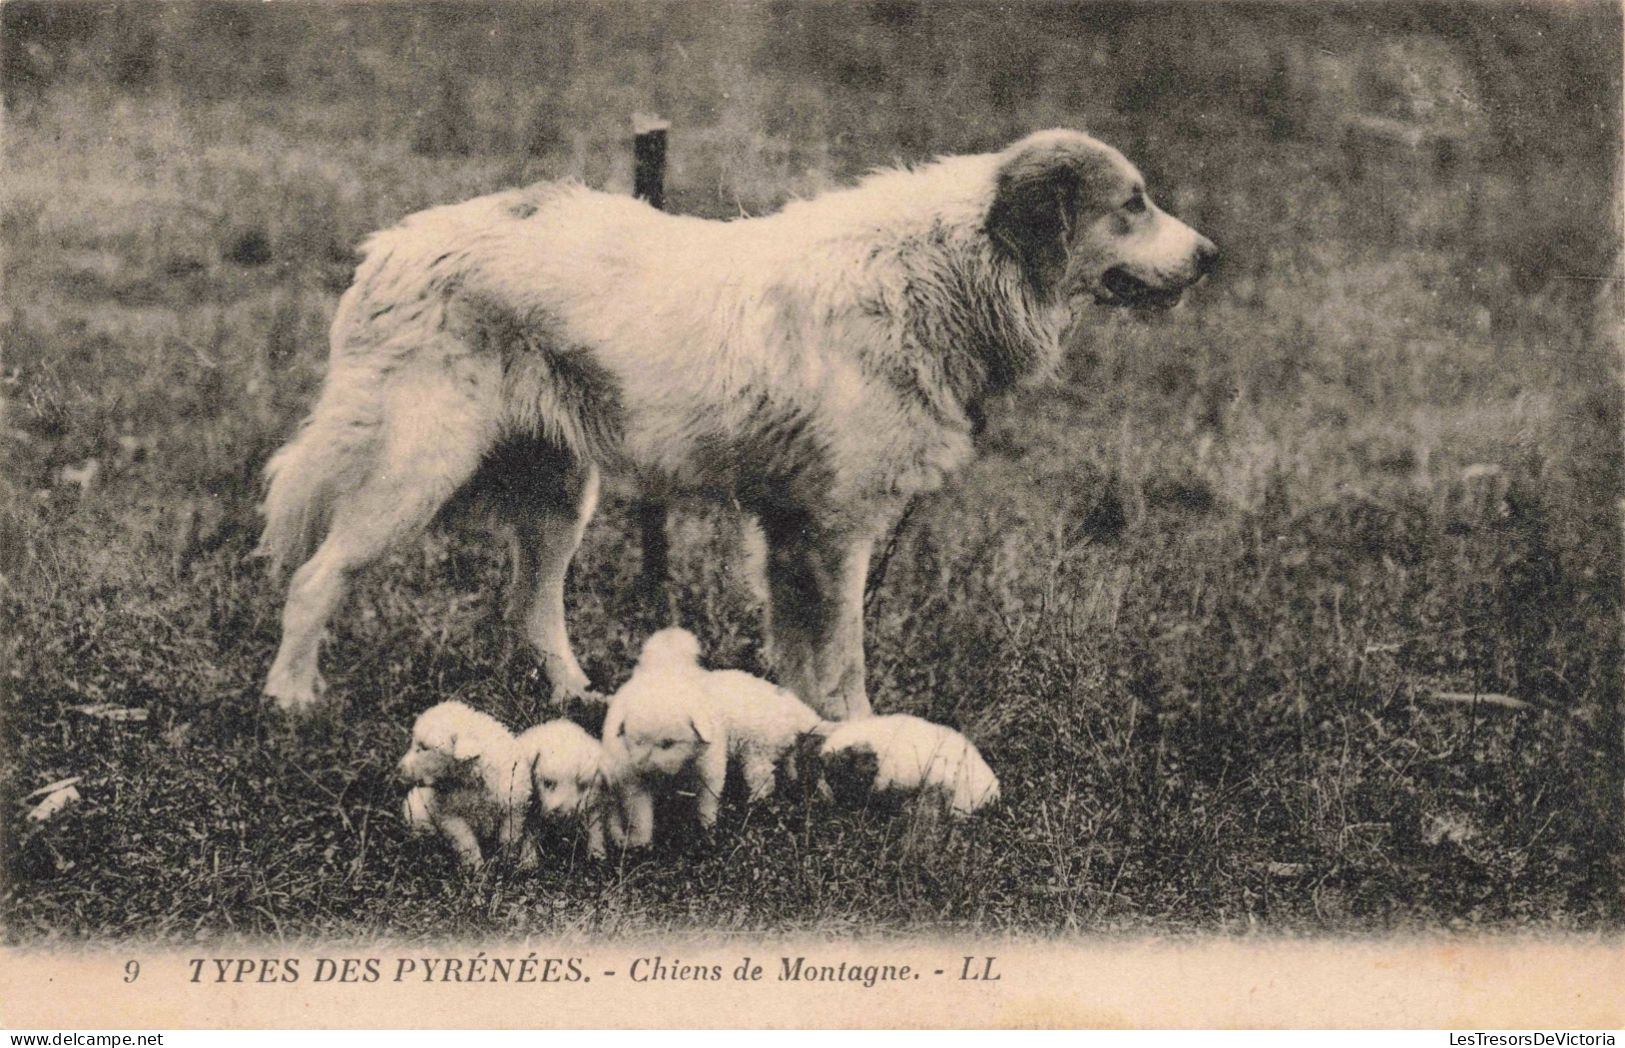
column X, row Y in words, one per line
column 1194, row 601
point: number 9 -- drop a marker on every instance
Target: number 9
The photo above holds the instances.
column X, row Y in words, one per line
column 132, row 971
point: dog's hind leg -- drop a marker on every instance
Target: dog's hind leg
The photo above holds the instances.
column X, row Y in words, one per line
column 433, row 435
column 547, row 529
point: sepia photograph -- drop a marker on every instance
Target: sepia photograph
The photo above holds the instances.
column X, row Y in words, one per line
column 667, row 477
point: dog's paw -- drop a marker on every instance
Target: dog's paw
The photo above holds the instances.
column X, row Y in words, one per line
column 564, row 677
column 295, row 697
column 591, row 697
column 294, row 701
column 584, row 692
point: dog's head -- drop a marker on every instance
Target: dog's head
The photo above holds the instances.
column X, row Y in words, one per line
column 568, row 769
column 1075, row 215
column 849, row 776
column 447, row 740
column 664, row 732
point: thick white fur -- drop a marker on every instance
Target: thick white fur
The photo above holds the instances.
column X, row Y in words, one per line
column 471, row 782
column 573, row 779
column 676, row 723
column 818, row 366
column 915, row 756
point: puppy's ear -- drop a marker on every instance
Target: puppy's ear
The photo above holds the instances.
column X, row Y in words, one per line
column 595, row 786
column 464, row 747
column 849, row 775
column 1035, row 207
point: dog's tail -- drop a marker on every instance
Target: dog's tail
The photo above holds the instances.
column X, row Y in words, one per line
column 670, row 648
column 303, row 481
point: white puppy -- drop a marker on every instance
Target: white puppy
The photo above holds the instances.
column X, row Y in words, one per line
column 899, row 754
column 573, row 779
column 674, row 723
column 471, row 782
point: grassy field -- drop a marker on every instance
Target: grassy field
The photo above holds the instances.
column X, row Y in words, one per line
column 1197, row 601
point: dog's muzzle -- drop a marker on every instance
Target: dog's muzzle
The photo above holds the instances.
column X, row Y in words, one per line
column 1119, row 287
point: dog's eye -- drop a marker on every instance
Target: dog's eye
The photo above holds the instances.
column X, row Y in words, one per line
column 1136, row 203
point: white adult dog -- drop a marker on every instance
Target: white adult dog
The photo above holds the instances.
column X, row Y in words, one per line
column 819, row 366
column 676, row 724
column 898, row 756
column 573, row 780
column 470, row 782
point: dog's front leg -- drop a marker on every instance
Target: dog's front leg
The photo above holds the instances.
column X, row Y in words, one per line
column 595, row 834
column 463, row 840
column 713, row 778
column 512, row 831
column 655, row 575
column 758, row 768
column 612, row 819
column 815, row 618
column 639, row 805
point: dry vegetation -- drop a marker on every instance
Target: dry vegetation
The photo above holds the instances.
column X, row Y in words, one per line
column 1195, row 603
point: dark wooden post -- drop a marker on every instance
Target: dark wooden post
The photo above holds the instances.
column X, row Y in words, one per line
column 649, row 160
column 649, row 183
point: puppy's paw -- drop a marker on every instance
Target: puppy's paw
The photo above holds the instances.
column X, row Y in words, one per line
column 417, row 809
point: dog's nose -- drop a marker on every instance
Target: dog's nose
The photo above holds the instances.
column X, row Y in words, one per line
column 1207, row 256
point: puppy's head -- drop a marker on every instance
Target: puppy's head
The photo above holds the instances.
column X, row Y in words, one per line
column 446, row 740
column 664, row 737
column 567, row 767
column 1074, row 214
column 846, row 776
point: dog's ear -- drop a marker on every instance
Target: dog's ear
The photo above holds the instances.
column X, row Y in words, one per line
column 464, row 747
column 1034, row 206
column 1037, row 198
column 597, row 785
column 849, row 774
column 592, row 770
